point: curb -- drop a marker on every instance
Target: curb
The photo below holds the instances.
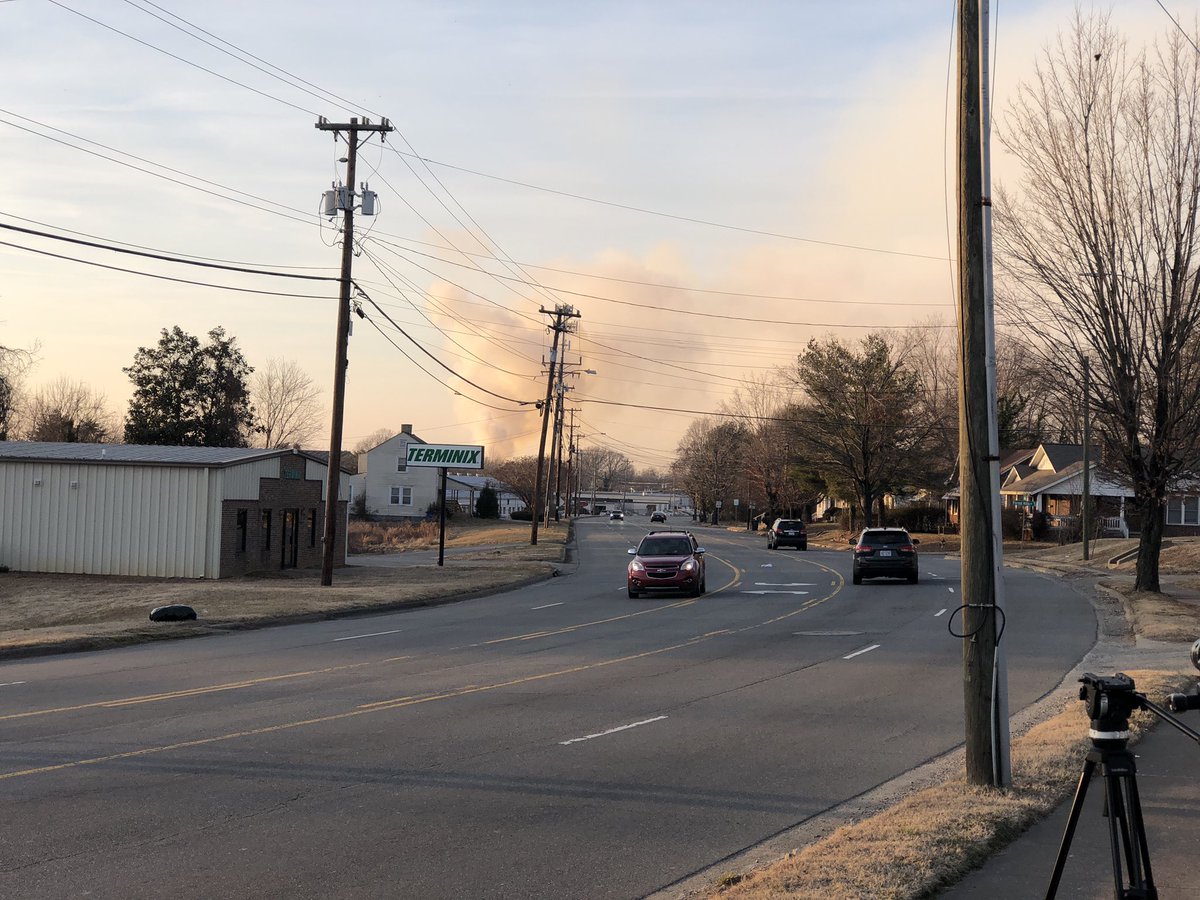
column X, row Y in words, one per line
column 217, row 627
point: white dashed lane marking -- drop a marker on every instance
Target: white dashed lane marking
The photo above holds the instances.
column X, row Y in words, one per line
column 862, row 651
column 600, row 734
column 356, row 637
column 938, row 613
column 547, row 606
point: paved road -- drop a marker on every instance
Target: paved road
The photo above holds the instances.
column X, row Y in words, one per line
column 558, row 741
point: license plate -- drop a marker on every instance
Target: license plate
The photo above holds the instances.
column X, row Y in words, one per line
column 885, row 552
column 790, row 533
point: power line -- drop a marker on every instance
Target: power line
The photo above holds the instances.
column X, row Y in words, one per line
column 224, row 287
column 652, row 284
column 365, row 296
column 695, row 221
column 1177, row 25
column 165, row 258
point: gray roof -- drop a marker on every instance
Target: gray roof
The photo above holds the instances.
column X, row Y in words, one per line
column 1041, row 479
column 133, row 454
column 1062, row 456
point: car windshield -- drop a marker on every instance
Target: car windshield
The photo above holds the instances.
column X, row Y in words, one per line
column 664, row 546
column 790, row 523
column 885, row 537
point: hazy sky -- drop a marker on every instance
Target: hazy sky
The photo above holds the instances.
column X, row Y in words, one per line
column 821, row 123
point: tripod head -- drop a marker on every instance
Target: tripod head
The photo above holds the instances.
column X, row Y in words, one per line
column 1110, row 701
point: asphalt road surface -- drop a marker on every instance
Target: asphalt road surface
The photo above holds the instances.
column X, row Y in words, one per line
column 557, row 741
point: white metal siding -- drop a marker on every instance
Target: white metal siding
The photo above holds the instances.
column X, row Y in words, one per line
column 241, row 481
column 115, row 520
column 315, row 471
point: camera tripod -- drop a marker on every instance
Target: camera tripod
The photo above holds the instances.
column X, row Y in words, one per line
column 1110, row 701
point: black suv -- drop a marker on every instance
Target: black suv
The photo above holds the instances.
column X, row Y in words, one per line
column 885, row 552
column 787, row 533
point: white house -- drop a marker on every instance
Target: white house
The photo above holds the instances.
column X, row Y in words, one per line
column 169, row 512
column 464, row 489
column 392, row 489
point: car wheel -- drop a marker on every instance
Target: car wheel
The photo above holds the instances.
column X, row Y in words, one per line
column 804, row 546
column 633, row 595
column 771, row 545
column 703, row 585
column 913, row 577
column 857, row 577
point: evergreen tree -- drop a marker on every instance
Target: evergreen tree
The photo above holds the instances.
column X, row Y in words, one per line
column 487, row 504
column 188, row 394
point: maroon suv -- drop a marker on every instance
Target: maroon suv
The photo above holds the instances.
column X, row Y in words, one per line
column 667, row 561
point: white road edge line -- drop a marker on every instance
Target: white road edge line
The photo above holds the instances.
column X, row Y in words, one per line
column 611, row 731
column 11, row 683
column 373, row 634
column 547, row 606
column 862, row 651
column 938, row 613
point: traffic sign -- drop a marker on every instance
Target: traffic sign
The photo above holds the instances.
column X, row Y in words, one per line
column 1023, row 503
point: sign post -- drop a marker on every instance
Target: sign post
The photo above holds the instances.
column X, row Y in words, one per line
column 440, row 456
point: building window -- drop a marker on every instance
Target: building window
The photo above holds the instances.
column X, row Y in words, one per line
column 312, row 528
column 401, row 496
column 1183, row 510
column 402, row 460
column 266, row 529
column 241, row 531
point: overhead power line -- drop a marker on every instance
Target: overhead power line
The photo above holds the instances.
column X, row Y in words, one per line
column 165, row 258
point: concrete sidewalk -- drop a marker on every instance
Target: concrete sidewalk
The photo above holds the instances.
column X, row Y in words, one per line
column 1168, row 778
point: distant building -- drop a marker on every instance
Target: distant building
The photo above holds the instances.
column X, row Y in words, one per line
column 169, row 512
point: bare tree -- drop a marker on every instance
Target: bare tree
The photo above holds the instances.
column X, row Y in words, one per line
column 14, row 363
column 707, row 465
column 287, row 402
column 70, row 412
column 373, row 440
column 1099, row 246
column 519, row 475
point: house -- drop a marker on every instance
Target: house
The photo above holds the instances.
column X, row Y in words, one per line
column 464, row 490
column 1052, row 483
column 391, row 489
column 168, row 512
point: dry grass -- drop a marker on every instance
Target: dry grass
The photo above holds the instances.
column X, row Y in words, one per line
column 1158, row 617
column 386, row 537
column 93, row 611
column 934, row 837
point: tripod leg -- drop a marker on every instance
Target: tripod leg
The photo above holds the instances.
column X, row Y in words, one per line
column 1064, row 848
column 1118, row 829
column 1139, row 862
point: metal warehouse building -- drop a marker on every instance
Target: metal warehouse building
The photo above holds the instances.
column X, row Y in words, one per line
column 177, row 512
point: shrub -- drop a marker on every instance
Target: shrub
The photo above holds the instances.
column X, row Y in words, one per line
column 926, row 518
column 487, row 504
column 521, row 515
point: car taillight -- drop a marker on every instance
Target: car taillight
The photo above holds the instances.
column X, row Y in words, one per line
column 907, row 547
column 862, row 548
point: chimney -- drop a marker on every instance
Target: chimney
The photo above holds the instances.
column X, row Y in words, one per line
column 406, row 429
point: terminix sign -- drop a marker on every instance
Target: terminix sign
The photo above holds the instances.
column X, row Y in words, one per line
column 445, row 456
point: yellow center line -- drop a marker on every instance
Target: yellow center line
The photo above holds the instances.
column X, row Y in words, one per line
column 193, row 692
column 365, row 709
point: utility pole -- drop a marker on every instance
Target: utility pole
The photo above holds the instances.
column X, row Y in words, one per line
column 1087, row 459
column 571, row 505
column 556, row 438
column 561, row 312
column 984, row 674
column 345, row 201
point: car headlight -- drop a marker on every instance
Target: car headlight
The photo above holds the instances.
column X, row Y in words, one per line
column 637, row 567
column 689, row 565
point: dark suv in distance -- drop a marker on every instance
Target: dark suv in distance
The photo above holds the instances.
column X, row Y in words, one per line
column 787, row 533
column 666, row 561
column 885, row 552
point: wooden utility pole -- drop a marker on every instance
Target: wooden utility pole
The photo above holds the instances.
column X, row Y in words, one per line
column 1087, row 458
column 561, row 312
column 556, row 437
column 334, row 469
column 984, row 676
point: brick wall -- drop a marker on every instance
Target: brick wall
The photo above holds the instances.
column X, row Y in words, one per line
column 264, row 550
